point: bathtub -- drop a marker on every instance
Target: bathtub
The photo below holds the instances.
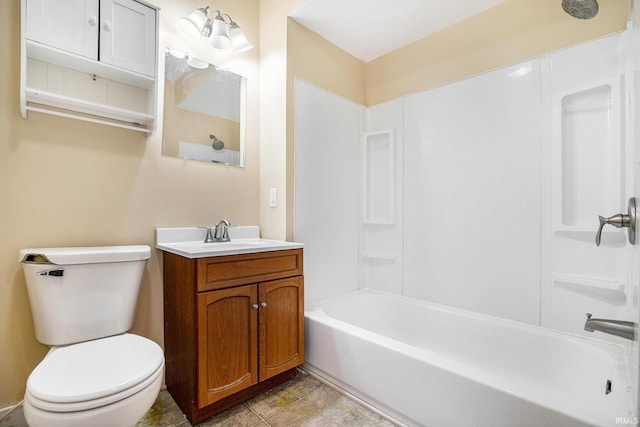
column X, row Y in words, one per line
column 430, row 365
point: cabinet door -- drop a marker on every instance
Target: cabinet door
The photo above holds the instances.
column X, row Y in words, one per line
column 70, row 25
column 227, row 342
column 128, row 35
column 281, row 326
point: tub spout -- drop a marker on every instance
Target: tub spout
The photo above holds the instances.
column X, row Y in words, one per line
column 619, row 328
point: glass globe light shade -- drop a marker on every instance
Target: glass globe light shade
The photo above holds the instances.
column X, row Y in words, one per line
column 219, row 37
column 193, row 24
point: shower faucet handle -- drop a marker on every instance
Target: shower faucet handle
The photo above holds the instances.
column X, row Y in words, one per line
column 619, row 221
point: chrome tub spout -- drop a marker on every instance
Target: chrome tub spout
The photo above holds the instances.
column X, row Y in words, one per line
column 618, row 328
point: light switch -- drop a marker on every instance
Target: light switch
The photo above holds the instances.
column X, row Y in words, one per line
column 273, row 197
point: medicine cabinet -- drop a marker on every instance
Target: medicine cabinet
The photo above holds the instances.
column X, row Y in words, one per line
column 92, row 60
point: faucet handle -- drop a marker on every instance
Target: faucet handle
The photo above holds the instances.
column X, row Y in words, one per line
column 619, row 221
column 589, row 316
column 209, row 237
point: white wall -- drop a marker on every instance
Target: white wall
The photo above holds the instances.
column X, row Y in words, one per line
column 381, row 245
column 472, row 193
column 327, row 131
column 589, row 174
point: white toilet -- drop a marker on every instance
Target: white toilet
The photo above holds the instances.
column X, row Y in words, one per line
column 83, row 302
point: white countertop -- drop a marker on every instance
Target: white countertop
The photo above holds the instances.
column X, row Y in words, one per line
column 189, row 242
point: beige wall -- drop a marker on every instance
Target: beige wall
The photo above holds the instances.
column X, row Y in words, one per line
column 314, row 59
column 273, row 115
column 506, row 34
column 64, row 182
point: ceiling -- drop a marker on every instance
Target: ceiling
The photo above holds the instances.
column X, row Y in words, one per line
column 368, row 29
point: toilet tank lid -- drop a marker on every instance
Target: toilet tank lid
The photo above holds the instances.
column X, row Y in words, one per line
column 85, row 255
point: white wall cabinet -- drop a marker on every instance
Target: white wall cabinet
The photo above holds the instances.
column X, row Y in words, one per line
column 128, row 35
column 93, row 60
column 70, row 25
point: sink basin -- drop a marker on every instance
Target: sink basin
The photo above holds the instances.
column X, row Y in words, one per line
column 222, row 246
column 198, row 249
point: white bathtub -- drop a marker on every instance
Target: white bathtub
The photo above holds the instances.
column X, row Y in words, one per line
column 431, row 365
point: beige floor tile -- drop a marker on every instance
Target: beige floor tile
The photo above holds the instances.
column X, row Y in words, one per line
column 360, row 416
column 330, row 403
column 298, row 414
column 303, row 384
column 164, row 413
column 272, row 401
column 238, row 416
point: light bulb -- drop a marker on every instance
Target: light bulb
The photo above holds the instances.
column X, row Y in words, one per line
column 193, row 24
column 238, row 39
column 219, row 37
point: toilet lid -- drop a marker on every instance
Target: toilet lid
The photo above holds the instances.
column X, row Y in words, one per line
column 94, row 369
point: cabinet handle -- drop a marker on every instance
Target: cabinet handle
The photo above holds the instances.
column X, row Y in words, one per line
column 254, row 306
column 93, row 21
column 106, row 26
column 263, row 304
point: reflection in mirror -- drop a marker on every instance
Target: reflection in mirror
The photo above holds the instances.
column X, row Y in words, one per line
column 204, row 111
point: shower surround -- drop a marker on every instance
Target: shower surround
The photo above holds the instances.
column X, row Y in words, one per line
column 482, row 195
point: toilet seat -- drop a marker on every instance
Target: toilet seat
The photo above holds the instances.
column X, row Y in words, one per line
column 94, row 373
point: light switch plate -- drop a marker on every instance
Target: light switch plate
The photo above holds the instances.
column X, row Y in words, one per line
column 273, row 197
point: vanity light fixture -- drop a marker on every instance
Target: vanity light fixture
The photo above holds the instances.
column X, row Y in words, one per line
column 221, row 33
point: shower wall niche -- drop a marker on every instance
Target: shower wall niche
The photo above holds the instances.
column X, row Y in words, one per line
column 378, row 165
column 589, row 157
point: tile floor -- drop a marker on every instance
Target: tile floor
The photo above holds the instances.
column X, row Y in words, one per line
column 302, row 401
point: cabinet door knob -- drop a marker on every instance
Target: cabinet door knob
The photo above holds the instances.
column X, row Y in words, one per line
column 106, row 26
column 263, row 304
column 254, row 306
column 93, row 21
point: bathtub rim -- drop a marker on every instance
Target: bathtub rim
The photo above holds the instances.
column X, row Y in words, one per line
column 316, row 306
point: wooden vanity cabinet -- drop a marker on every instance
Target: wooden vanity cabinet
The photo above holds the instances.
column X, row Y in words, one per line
column 234, row 327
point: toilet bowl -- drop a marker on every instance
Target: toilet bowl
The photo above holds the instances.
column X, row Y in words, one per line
column 83, row 303
column 106, row 382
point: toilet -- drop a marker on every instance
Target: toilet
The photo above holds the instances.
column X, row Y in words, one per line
column 83, row 302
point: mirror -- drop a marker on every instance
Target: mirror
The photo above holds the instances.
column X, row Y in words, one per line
column 204, row 111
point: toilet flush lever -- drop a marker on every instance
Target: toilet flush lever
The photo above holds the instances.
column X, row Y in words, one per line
column 58, row 272
column 619, row 221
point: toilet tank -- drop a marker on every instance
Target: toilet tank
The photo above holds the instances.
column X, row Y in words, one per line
column 84, row 293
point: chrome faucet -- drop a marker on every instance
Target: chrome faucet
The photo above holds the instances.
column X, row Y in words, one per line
column 218, row 233
column 619, row 328
column 221, row 231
